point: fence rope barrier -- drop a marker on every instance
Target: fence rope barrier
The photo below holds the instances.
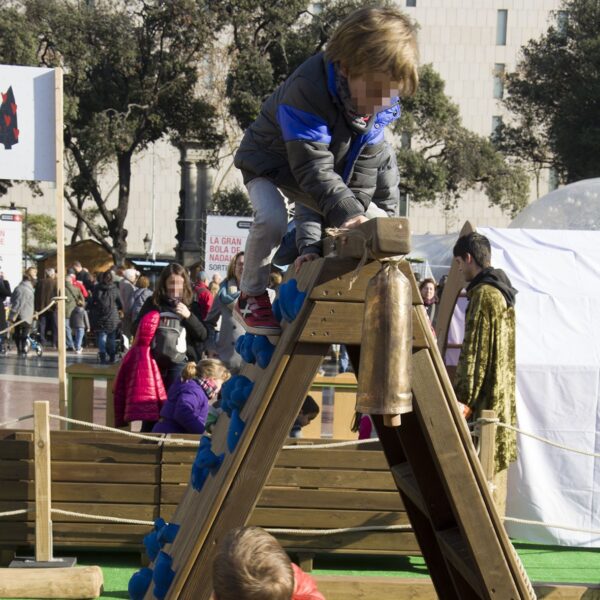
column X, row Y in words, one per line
column 70, row 513
column 538, row 437
column 10, row 513
column 141, row 436
column 19, row 419
column 329, row 445
column 340, row 530
column 35, row 314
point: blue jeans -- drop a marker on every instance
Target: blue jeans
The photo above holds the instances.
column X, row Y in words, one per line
column 79, row 335
column 106, row 343
column 68, row 336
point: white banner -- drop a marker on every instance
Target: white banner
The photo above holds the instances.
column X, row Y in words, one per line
column 27, row 124
column 11, row 246
column 225, row 237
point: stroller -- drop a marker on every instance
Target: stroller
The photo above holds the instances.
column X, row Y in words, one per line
column 33, row 341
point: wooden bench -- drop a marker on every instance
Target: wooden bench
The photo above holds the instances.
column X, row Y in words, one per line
column 106, row 474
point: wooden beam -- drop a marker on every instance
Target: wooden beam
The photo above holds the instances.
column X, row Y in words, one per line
column 381, row 237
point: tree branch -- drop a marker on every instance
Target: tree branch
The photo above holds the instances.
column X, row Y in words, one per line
column 92, row 228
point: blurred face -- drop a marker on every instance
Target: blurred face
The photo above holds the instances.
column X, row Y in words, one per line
column 174, row 285
column 428, row 291
column 372, row 92
column 239, row 267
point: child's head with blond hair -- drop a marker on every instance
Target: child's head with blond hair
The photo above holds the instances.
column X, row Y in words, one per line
column 208, row 368
column 379, row 40
column 251, row 565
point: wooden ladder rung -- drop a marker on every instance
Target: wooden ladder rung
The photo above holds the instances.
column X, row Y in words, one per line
column 407, row 483
column 458, row 554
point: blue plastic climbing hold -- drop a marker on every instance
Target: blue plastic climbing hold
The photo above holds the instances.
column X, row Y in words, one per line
column 206, row 462
column 139, row 583
column 235, row 392
column 151, row 540
column 236, row 428
column 243, row 347
column 262, row 350
column 290, row 299
column 163, row 575
column 168, row 533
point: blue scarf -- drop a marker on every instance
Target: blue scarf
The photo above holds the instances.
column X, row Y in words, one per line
column 224, row 295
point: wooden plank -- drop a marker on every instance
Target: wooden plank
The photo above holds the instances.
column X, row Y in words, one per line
column 327, row 458
column 342, row 323
column 375, row 541
column 332, row 478
column 81, row 402
column 299, row 498
column 458, row 552
column 487, row 441
column 383, row 237
column 407, row 484
column 318, row 518
column 334, row 281
column 12, row 470
column 92, row 492
column 15, row 450
column 104, row 472
column 336, row 587
column 105, row 452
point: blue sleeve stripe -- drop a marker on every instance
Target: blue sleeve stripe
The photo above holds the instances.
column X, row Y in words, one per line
column 300, row 125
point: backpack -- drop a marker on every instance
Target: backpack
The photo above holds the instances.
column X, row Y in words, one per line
column 137, row 301
column 169, row 343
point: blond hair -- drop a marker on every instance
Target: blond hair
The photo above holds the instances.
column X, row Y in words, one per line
column 381, row 40
column 250, row 564
column 207, row 368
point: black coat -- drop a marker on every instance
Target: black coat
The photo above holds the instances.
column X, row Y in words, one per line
column 104, row 307
column 5, row 293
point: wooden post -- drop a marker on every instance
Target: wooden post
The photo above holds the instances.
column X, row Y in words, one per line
column 487, row 444
column 43, row 523
column 60, row 243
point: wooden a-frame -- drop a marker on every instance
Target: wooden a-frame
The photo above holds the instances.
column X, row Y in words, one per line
column 430, row 454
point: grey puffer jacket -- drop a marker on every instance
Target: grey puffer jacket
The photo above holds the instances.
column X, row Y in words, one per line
column 303, row 142
column 22, row 302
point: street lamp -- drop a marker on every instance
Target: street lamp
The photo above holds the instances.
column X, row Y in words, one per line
column 147, row 245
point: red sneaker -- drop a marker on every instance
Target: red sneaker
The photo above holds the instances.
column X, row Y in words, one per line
column 255, row 314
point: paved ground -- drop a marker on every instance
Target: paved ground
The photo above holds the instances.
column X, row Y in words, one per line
column 23, row 380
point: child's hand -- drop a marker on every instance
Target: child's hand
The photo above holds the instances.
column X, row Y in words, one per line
column 354, row 222
column 183, row 311
column 304, row 258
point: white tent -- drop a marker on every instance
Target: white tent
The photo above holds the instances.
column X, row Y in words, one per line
column 557, row 274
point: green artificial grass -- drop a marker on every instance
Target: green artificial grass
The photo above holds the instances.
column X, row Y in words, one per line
column 554, row 564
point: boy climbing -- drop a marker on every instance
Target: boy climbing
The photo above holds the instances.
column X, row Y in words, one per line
column 319, row 141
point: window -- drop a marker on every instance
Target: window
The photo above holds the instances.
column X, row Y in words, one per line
column 562, row 20
column 411, row 3
column 501, row 23
column 496, row 122
column 499, row 69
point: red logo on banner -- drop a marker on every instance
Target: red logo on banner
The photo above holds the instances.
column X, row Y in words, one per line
column 9, row 131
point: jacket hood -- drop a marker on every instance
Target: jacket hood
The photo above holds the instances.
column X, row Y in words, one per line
column 496, row 278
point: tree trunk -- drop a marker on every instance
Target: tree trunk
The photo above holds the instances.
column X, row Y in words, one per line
column 116, row 227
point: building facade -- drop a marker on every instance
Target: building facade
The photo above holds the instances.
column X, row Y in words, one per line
column 471, row 43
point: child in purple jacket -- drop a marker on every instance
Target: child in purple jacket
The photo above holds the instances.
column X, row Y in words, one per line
column 188, row 400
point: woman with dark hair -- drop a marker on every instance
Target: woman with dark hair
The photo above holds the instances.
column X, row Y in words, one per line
column 179, row 330
column 430, row 299
column 104, row 316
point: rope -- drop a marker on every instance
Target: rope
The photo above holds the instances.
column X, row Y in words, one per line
column 524, row 575
column 35, row 314
column 69, row 513
column 553, row 525
column 539, row 438
column 329, row 445
column 16, row 420
column 141, row 436
column 10, row 513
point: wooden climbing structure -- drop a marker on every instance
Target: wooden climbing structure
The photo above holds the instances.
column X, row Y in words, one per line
column 430, row 454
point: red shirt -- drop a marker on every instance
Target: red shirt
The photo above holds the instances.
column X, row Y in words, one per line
column 305, row 587
column 204, row 299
